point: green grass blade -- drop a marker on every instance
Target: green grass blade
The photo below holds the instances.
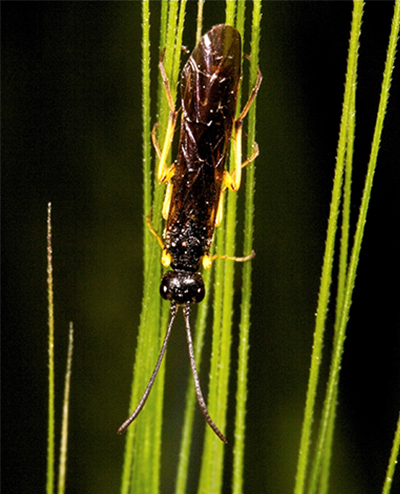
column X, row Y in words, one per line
column 50, row 482
column 355, row 255
column 206, row 472
column 326, row 276
column 50, row 298
column 230, row 12
column 244, row 328
column 191, row 402
column 178, row 45
column 330, row 401
column 199, row 20
column 392, row 460
column 213, row 453
column 229, row 248
column 128, row 455
column 343, row 265
column 213, row 450
column 146, row 120
column 62, row 467
column 321, row 462
column 148, row 330
column 141, row 470
column 175, row 54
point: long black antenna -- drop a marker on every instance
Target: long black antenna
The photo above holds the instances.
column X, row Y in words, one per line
column 199, row 394
column 146, row 393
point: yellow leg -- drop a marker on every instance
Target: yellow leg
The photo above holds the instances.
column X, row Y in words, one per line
column 167, row 200
column 165, row 173
column 165, row 256
column 220, row 210
column 151, row 228
column 208, row 260
column 154, row 140
column 233, row 180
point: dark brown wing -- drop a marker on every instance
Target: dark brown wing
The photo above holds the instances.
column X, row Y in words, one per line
column 209, row 86
column 210, row 78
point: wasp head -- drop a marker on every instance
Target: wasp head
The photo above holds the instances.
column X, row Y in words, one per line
column 182, row 287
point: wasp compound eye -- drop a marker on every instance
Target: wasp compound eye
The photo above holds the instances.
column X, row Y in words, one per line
column 182, row 287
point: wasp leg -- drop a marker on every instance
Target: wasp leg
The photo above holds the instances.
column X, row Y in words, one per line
column 169, row 172
column 165, row 256
column 208, row 260
column 220, row 210
column 165, row 173
column 252, row 96
column 167, row 201
column 232, row 180
column 152, row 230
column 154, row 140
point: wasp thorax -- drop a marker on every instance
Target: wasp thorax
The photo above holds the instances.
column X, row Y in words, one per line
column 182, row 287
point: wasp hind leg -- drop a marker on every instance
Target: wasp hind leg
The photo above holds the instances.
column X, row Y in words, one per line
column 165, row 172
column 233, row 180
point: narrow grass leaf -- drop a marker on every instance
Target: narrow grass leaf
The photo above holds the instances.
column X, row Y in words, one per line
column 191, row 402
column 392, row 460
column 50, row 299
column 330, row 401
column 244, row 328
column 326, row 277
column 62, row 467
column 141, row 471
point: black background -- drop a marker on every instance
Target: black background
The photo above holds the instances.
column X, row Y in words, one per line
column 71, row 134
